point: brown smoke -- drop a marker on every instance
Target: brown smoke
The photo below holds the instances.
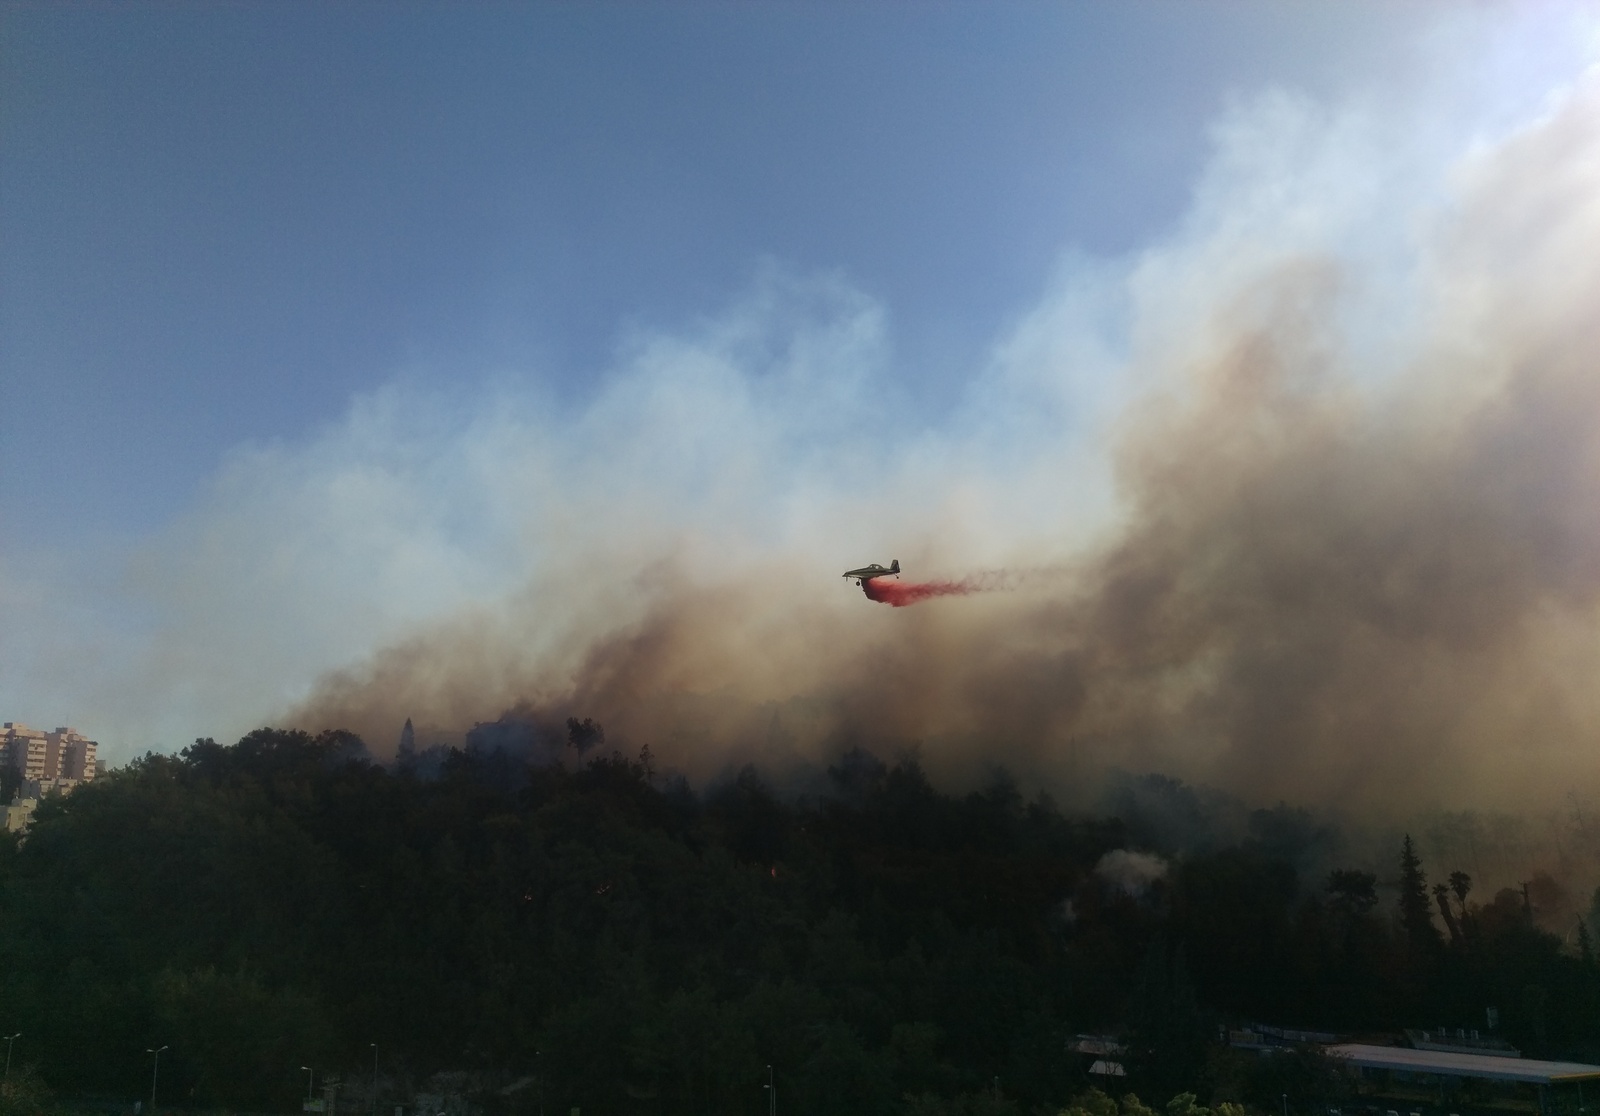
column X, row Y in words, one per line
column 1320, row 585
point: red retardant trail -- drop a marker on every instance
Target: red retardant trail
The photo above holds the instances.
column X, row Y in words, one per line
column 902, row 593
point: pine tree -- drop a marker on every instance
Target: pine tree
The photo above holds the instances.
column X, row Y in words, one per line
column 1415, row 918
column 1167, row 1034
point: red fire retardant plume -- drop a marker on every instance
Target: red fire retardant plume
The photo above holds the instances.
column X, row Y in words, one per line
column 902, row 593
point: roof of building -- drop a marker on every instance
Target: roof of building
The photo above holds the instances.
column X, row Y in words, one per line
column 1461, row 1042
column 1453, row 1064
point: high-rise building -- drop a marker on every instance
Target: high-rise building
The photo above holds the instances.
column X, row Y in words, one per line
column 25, row 749
column 43, row 756
column 76, row 754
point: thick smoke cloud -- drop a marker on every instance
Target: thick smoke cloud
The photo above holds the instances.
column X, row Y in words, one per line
column 1302, row 502
column 1350, row 547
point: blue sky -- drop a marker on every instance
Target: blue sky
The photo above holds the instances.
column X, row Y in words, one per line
column 365, row 361
column 222, row 221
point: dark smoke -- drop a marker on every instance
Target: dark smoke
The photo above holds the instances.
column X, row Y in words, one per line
column 1320, row 585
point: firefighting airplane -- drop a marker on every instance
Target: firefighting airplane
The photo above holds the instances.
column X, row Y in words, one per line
column 867, row 573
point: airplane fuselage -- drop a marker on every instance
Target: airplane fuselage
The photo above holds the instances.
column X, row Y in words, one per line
column 867, row 573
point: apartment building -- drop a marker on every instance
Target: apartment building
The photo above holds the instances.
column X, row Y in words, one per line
column 77, row 754
column 40, row 756
column 24, row 748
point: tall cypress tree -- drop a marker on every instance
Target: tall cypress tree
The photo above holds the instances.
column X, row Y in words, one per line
column 1167, row 1034
column 1415, row 918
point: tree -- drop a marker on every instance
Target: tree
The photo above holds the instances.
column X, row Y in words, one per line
column 1416, row 921
column 633, row 946
column 1310, row 1078
column 1167, row 1035
column 1352, row 892
column 585, row 734
column 1461, row 887
column 26, row 1094
column 1441, row 894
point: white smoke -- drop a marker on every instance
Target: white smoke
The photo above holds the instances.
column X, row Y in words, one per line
column 1130, row 873
column 1255, row 423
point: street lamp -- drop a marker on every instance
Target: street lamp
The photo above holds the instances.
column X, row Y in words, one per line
column 772, row 1094
column 9, row 1040
column 538, row 1069
column 310, row 1076
column 154, row 1071
column 374, row 1078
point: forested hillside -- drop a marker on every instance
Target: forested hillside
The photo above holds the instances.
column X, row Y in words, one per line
column 635, row 947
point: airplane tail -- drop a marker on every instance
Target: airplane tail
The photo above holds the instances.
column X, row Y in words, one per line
column 894, row 565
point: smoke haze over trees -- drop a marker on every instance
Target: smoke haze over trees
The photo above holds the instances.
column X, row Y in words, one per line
column 1251, row 676
column 285, row 902
column 1340, row 546
column 1294, row 499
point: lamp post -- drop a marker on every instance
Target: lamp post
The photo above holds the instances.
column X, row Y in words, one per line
column 538, row 1072
column 1286, row 1104
column 9, row 1040
column 772, row 1094
column 155, row 1071
column 374, row 1106
column 310, row 1077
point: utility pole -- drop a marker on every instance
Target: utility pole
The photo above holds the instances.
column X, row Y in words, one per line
column 9, row 1040
column 154, row 1073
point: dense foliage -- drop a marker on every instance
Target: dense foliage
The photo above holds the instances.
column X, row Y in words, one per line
column 629, row 946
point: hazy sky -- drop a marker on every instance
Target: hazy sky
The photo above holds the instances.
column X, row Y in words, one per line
column 329, row 331
column 221, row 221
